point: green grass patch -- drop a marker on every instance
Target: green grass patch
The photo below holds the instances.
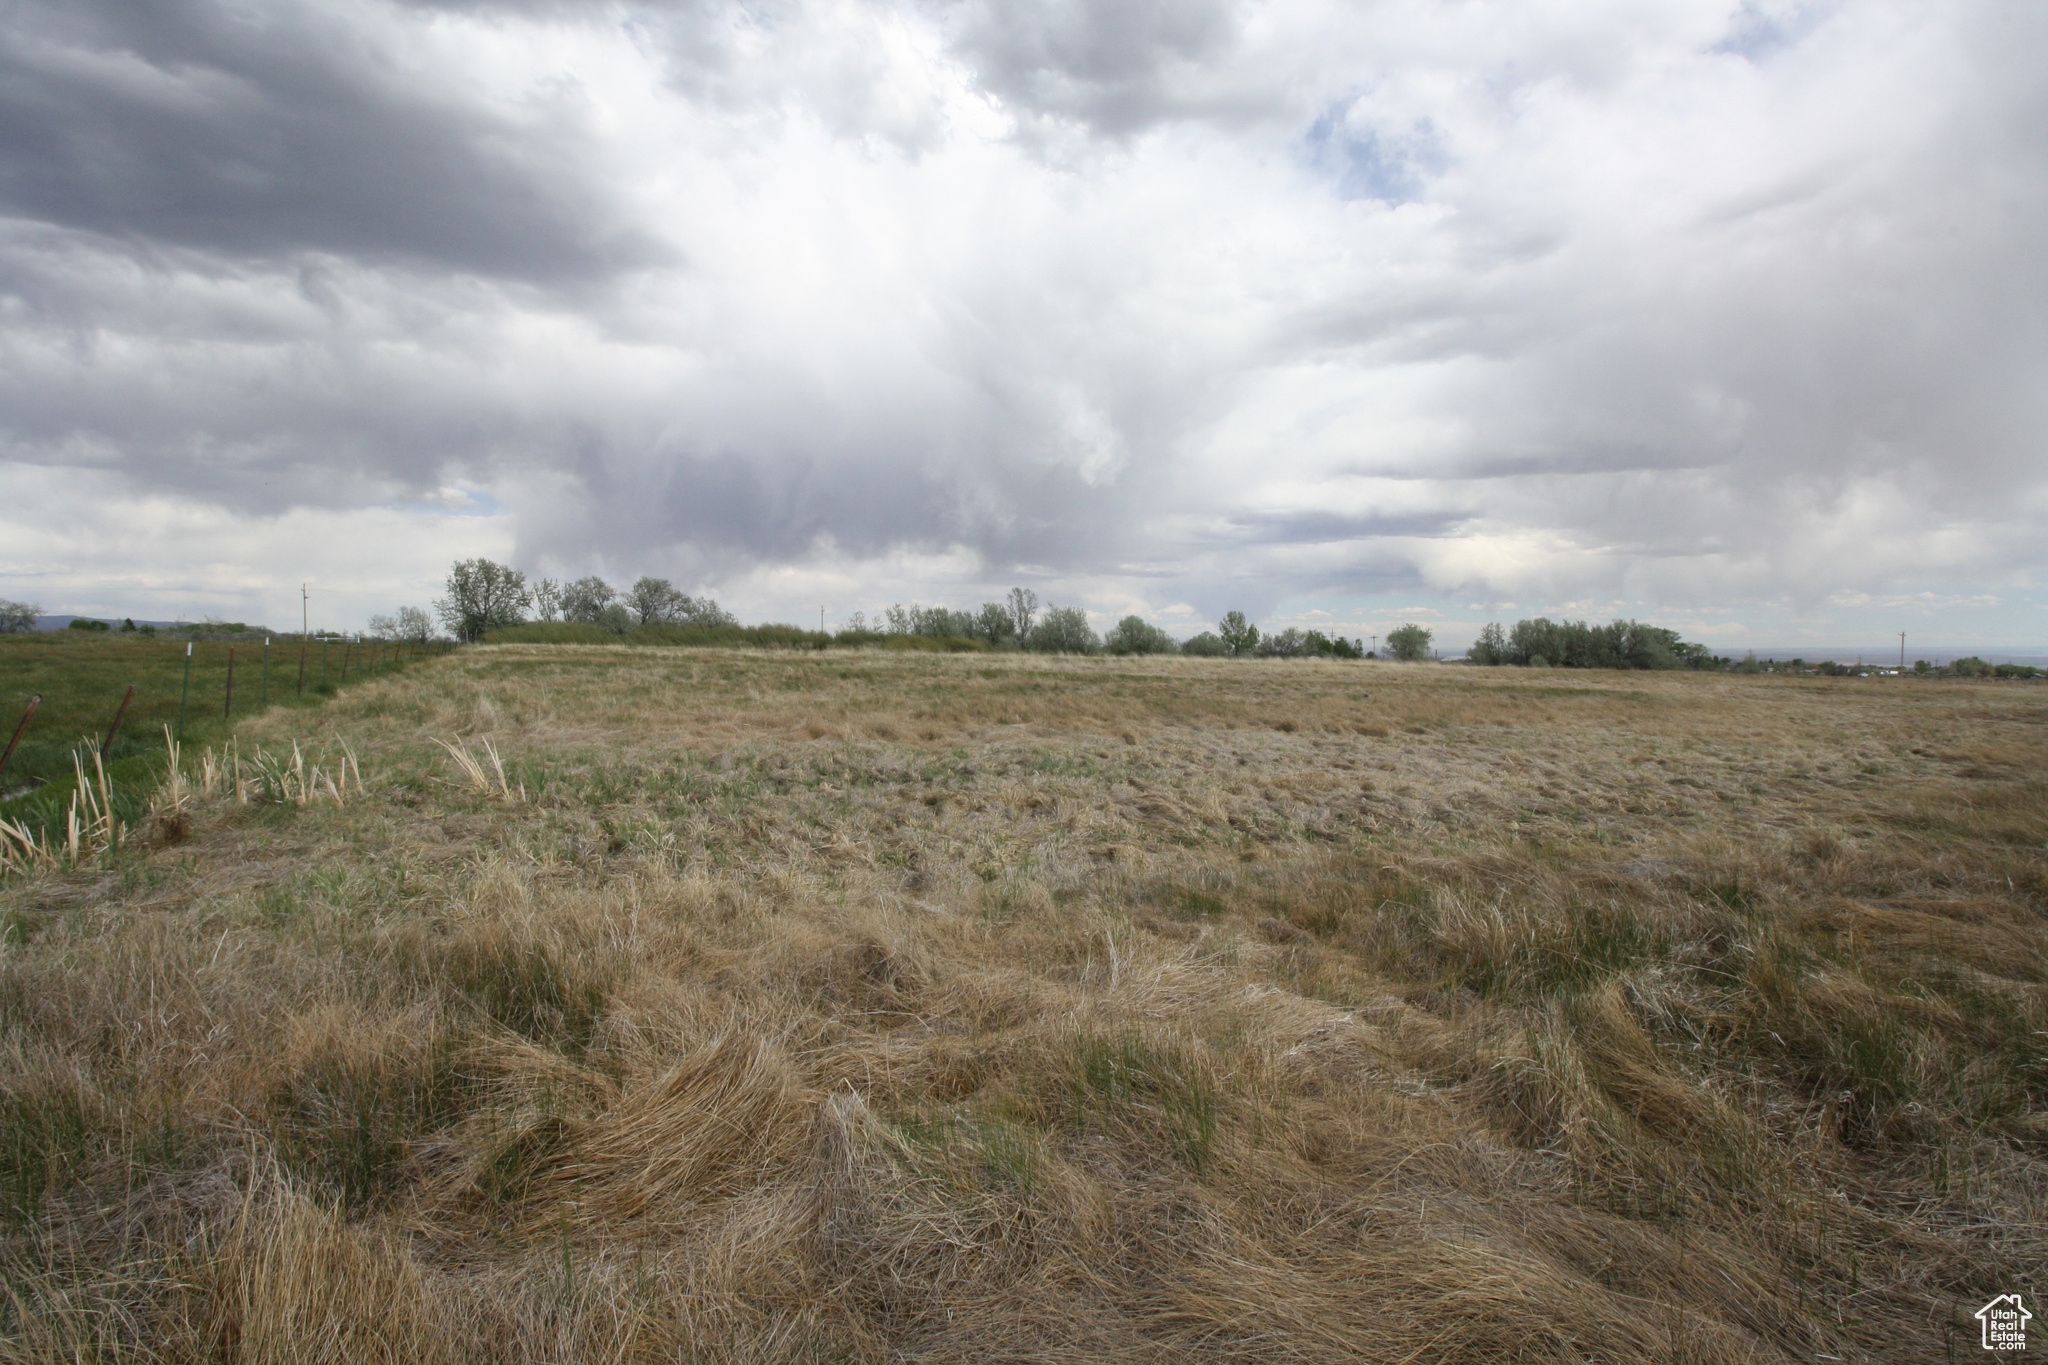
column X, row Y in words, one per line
column 46, row 1134
column 347, row 1119
column 83, row 676
column 1161, row 1086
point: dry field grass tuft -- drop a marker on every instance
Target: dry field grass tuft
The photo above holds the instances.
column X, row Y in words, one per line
column 731, row 1007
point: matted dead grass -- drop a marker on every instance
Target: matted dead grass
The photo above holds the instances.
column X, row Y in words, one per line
column 937, row 1008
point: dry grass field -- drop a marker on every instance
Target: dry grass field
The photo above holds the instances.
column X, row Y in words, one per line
column 926, row 1008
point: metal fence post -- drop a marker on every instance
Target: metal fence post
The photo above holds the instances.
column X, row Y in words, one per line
column 185, row 690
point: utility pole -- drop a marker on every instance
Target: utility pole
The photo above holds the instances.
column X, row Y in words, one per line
column 1902, row 651
column 821, row 618
column 1375, row 646
column 305, row 613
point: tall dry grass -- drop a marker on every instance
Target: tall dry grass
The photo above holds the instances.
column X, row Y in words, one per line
column 980, row 1009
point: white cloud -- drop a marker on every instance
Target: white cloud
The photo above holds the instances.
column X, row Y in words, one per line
column 1303, row 307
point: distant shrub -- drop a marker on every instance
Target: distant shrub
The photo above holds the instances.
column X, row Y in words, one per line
column 1207, row 645
column 920, row 644
column 1136, row 635
column 81, row 623
column 1063, row 630
column 16, row 617
column 551, row 633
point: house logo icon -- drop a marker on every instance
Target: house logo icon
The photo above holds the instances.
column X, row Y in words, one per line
column 2005, row 1323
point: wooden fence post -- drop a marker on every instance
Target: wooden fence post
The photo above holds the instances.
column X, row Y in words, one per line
column 115, row 728
column 33, row 703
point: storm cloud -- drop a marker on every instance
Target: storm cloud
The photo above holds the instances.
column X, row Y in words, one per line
column 1728, row 314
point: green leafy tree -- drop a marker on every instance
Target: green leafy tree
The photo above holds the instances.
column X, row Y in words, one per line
column 16, row 617
column 1410, row 642
column 415, row 625
column 652, row 601
column 585, row 599
column 1023, row 610
column 409, row 623
column 1239, row 636
column 656, row 602
column 1491, row 647
column 1580, row 644
column 994, row 623
column 1136, row 635
column 1207, row 645
column 1063, row 630
column 482, row 594
column 1286, row 644
column 941, row 623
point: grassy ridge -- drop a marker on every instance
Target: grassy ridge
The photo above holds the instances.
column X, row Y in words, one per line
column 82, row 678
column 877, row 1007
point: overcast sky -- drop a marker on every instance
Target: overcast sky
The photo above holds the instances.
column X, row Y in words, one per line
column 1732, row 316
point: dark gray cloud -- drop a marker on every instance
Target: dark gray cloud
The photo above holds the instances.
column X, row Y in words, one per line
column 1310, row 527
column 271, row 131
column 1116, row 65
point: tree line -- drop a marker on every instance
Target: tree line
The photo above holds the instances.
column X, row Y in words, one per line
column 1541, row 643
column 484, row 596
